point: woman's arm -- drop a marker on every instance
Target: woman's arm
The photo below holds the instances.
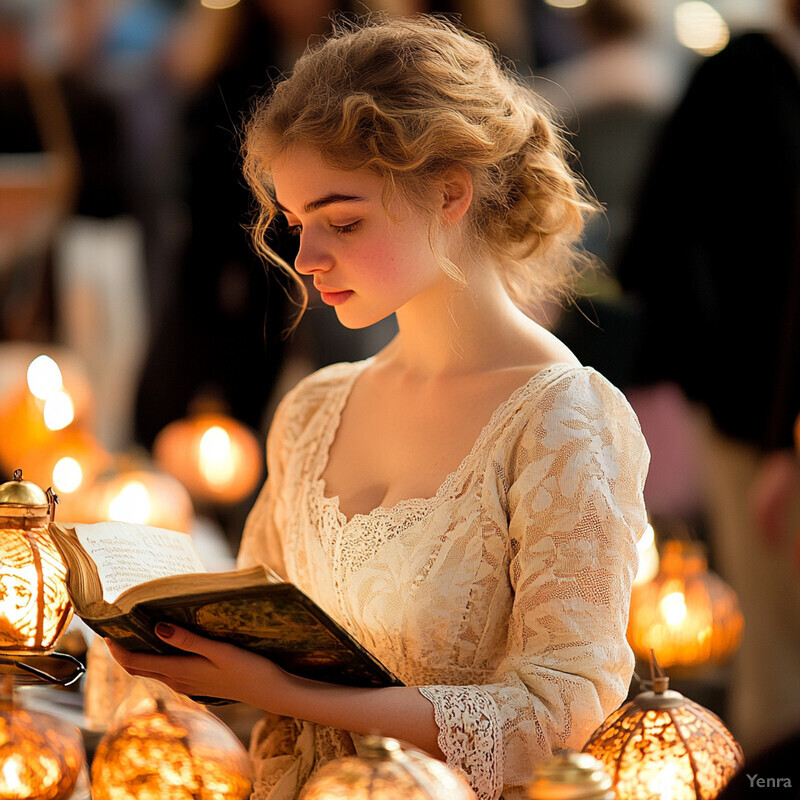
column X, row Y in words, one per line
column 216, row 669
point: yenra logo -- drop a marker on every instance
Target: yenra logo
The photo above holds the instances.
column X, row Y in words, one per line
column 757, row 782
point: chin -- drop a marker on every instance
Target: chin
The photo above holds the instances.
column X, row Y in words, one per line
column 355, row 322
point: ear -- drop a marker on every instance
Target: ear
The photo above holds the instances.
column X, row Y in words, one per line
column 456, row 193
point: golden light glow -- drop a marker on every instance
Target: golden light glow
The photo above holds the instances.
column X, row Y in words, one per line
column 171, row 754
column 41, row 756
column 701, row 28
column 67, row 475
column 58, row 411
column 132, row 504
column 665, row 746
column 566, row 3
column 44, row 377
column 648, row 556
column 673, row 608
column 686, row 614
column 386, row 771
column 216, row 461
column 217, row 458
column 34, row 605
column 219, row 5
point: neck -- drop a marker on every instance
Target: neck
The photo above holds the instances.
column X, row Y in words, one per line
column 455, row 330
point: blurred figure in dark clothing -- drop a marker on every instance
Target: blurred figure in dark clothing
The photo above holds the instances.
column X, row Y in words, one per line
column 714, row 257
column 220, row 336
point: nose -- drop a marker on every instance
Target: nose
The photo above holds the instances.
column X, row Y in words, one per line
column 312, row 256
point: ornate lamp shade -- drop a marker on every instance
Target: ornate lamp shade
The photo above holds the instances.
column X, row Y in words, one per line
column 662, row 746
column 386, row 771
column 165, row 747
column 570, row 776
column 687, row 614
column 139, row 494
column 214, row 456
column 34, row 605
column 41, row 756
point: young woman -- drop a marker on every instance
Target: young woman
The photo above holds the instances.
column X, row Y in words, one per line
column 466, row 502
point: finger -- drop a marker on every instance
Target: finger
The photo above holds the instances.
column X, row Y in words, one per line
column 191, row 642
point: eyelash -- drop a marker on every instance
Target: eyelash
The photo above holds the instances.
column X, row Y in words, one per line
column 296, row 230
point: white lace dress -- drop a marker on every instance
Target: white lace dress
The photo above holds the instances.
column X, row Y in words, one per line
column 504, row 597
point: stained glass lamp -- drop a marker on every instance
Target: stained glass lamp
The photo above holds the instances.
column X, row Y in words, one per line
column 663, row 746
column 34, row 605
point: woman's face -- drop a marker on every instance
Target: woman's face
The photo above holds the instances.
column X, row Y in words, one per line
column 365, row 262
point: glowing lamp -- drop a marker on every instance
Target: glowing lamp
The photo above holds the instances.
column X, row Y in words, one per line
column 687, row 614
column 34, row 605
column 41, row 756
column 138, row 494
column 167, row 747
column 386, row 771
column 663, row 746
column 216, row 458
column 43, row 398
column 570, row 776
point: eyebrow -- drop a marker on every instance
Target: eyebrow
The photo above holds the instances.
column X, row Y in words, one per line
column 328, row 199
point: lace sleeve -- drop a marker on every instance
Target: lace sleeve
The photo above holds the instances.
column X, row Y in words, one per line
column 575, row 511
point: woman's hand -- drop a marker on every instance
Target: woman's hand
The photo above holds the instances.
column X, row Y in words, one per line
column 209, row 668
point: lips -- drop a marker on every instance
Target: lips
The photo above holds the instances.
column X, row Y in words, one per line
column 334, row 297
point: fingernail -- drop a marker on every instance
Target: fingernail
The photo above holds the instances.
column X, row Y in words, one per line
column 165, row 630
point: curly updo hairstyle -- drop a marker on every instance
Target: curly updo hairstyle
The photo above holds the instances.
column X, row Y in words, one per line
column 409, row 98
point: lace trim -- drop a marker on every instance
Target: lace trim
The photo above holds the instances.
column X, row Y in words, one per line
column 469, row 735
column 385, row 522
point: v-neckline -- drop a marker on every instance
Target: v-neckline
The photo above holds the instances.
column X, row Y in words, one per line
column 332, row 427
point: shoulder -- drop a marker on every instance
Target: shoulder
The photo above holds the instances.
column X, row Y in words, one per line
column 566, row 404
column 310, row 396
column 561, row 387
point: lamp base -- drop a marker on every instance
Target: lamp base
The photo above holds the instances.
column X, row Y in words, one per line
column 57, row 668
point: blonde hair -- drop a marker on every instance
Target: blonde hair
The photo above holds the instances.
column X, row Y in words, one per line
column 410, row 98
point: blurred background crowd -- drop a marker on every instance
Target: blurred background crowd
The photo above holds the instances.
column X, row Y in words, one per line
column 124, row 246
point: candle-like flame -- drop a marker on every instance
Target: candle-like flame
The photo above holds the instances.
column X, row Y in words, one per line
column 58, row 411
column 44, row 377
column 67, row 475
column 673, row 608
column 132, row 504
column 216, row 456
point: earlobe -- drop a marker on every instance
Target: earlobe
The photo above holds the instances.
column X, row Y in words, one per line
column 456, row 193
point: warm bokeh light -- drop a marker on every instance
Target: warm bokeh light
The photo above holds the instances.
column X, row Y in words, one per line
column 132, row 504
column 217, row 458
column 67, row 475
column 687, row 614
column 219, row 5
column 384, row 770
column 701, row 28
column 648, row 556
column 44, row 377
column 673, row 608
column 58, row 411
column 566, row 3
column 216, row 463
column 171, row 750
column 134, row 492
column 41, row 755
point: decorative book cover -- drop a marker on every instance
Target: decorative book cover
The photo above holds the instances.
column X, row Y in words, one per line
column 250, row 608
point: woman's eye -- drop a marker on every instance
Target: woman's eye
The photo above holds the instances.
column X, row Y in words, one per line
column 294, row 230
column 349, row 228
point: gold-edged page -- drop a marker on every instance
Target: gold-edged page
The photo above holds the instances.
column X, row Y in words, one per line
column 127, row 554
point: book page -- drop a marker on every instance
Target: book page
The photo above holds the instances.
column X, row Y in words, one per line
column 127, row 554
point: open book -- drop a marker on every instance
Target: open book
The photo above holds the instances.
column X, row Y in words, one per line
column 124, row 578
